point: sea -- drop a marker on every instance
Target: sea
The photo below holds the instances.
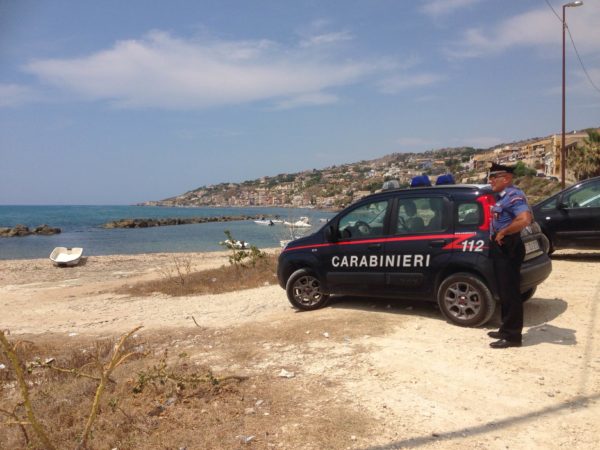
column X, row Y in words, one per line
column 82, row 226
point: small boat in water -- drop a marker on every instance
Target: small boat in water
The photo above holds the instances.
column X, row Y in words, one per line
column 303, row 222
column 267, row 222
column 66, row 256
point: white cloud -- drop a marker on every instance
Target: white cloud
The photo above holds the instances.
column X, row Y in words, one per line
column 162, row 71
column 326, row 39
column 310, row 99
column 395, row 84
column 539, row 27
column 15, row 95
column 437, row 8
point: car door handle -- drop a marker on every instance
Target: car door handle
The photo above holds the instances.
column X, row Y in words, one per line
column 438, row 243
column 374, row 247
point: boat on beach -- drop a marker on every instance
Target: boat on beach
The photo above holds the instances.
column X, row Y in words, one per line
column 66, row 256
column 238, row 245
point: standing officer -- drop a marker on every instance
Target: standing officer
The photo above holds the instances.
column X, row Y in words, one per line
column 510, row 215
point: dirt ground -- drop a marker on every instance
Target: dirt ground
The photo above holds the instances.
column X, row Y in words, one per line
column 367, row 374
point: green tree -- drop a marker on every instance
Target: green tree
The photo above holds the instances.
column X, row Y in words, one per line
column 522, row 170
column 584, row 161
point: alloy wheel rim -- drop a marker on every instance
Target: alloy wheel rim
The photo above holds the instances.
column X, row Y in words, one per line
column 462, row 300
column 307, row 290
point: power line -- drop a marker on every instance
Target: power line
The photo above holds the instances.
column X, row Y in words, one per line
column 581, row 62
column 574, row 47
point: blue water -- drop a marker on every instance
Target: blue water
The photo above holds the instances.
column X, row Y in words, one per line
column 82, row 227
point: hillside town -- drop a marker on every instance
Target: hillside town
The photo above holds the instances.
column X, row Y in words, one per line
column 338, row 186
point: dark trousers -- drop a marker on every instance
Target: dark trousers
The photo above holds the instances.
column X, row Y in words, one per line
column 507, row 259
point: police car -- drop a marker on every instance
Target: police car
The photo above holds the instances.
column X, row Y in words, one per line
column 429, row 243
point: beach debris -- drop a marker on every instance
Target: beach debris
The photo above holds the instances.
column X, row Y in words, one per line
column 259, row 402
column 285, row 374
column 249, row 411
column 245, row 439
column 73, row 334
column 2, row 366
column 326, row 334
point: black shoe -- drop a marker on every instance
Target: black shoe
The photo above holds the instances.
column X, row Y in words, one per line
column 503, row 343
column 496, row 335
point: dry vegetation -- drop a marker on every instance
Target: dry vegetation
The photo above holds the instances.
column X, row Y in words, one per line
column 537, row 188
column 167, row 396
column 178, row 279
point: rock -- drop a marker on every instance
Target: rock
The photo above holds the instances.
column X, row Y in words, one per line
column 22, row 230
column 19, row 230
column 167, row 221
column 46, row 230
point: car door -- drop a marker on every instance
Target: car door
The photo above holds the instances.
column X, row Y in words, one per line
column 579, row 214
column 414, row 252
column 352, row 262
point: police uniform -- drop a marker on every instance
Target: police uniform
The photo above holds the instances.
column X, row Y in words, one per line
column 507, row 259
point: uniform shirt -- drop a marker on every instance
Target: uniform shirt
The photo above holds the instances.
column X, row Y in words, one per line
column 510, row 203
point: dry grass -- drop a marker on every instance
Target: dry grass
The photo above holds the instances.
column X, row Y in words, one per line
column 178, row 279
column 169, row 397
column 537, row 188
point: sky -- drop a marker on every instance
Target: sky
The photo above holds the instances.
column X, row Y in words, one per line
column 119, row 102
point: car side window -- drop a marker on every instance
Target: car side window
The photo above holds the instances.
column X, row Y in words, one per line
column 419, row 215
column 468, row 214
column 586, row 197
column 365, row 221
column 551, row 204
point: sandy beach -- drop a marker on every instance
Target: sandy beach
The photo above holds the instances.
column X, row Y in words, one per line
column 421, row 381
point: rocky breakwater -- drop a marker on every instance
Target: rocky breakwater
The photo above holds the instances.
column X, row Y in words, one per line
column 167, row 221
column 22, row 230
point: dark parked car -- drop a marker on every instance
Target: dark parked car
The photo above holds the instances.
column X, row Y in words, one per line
column 428, row 243
column 571, row 218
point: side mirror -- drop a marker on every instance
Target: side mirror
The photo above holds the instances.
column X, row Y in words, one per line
column 331, row 233
column 562, row 205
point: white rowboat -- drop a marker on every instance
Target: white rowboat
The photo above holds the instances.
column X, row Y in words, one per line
column 63, row 256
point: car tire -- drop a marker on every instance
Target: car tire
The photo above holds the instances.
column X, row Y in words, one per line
column 528, row 294
column 304, row 292
column 465, row 300
column 550, row 245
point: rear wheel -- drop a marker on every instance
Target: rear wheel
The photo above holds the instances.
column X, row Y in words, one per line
column 465, row 300
column 304, row 292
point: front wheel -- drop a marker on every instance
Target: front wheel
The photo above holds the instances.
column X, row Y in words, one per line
column 303, row 290
column 465, row 300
